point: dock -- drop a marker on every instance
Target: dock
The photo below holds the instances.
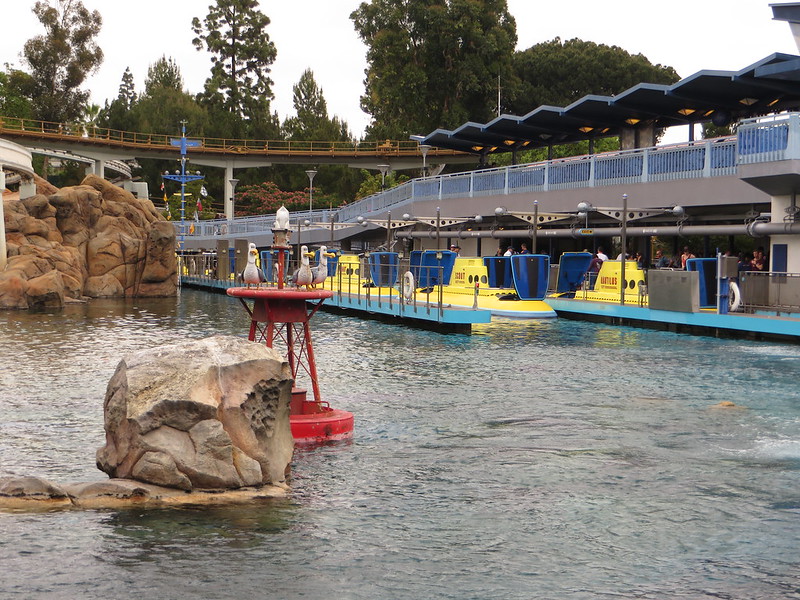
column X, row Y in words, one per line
column 420, row 312
column 764, row 325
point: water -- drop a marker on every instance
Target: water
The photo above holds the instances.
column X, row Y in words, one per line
column 549, row 459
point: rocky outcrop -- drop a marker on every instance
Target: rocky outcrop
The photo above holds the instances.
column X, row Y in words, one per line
column 201, row 414
column 197, row 422
column 92, row 240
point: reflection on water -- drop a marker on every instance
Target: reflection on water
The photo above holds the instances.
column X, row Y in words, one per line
column 549, row 459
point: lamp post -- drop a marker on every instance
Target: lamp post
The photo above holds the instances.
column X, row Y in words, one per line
column 423, row 148
column 383, row 169
column 233, row 183
column 311, row 173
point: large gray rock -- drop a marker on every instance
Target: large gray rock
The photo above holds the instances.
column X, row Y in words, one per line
column 199, row 414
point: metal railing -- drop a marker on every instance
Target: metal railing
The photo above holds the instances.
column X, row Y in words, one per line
column 770, row 292
column 106, row 136
column 706, row 158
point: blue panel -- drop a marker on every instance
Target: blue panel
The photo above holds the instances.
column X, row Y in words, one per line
column 383, row 268
column 779, row 258
column 333, row 261
column 757, row 141
column 531, row 273
column 428, row 270
column 707, row 267
column 498, row 269
column 571, row 270
column 269, row 258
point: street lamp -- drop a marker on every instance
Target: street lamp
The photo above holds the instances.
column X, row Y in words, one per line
column 423, row 148
column 233, row 183
column 182, row 176
column 311, row 173
column 383, row 169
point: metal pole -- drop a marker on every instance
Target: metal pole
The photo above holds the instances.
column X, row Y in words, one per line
column 623, row 236
column 388, row 230
column 535, row 225
column 438, row 215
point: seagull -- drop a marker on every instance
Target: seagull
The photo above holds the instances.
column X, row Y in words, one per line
column 320, row 272
column 303, row 275
column 252, row 274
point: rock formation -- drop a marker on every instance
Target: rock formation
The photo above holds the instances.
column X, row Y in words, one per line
column 201, row 414
column 91, row 240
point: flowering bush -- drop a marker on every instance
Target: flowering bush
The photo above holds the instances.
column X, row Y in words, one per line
column 266, row 198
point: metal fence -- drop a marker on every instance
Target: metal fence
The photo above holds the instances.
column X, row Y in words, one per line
column 770, row 292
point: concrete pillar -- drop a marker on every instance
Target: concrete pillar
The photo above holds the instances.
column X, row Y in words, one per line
column 627, row 138
column 229, row 198
column 27, row 188
column 98, row 167
column 778, row 208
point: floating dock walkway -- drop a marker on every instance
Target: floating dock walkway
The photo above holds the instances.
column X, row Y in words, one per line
column 391, row 308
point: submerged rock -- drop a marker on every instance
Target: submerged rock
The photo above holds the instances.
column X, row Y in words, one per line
column 199, row 414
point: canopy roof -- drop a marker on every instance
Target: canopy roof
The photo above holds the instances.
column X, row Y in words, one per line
column 768, row 86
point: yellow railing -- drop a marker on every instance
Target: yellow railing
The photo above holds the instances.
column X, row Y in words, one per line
column 89, row 134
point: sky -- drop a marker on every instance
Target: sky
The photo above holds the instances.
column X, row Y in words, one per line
column 689, row 35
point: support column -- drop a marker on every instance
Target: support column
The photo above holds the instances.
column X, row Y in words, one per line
column 228, row 192
column 3, row 249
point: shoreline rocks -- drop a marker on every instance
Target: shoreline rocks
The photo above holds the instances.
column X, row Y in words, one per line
column 34, row 493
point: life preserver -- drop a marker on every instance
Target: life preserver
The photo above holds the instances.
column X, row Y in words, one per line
column 409, row 285
column 734, row 297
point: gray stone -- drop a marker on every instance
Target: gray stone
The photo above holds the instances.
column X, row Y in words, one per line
column 200, row 414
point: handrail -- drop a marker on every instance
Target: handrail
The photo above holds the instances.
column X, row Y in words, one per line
column 91, row 134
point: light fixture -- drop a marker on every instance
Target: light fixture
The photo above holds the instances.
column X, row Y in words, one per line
column 748, row 101
column 509, row 142
column 500, row 210
column 678, row 211
column 545, row 136
column 585, row 129
column 686, row 111
column 477, row 148
column 632, row 121
column 478, row 219
column 774, row 102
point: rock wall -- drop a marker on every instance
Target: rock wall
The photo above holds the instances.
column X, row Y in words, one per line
column 92, row 240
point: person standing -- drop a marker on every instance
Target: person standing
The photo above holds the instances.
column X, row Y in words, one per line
column 601, row 255
column 687, row 254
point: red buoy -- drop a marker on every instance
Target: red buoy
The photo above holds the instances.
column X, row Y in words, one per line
column 285, row 314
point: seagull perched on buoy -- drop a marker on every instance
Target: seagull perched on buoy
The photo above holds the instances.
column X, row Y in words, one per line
column 252, row 274
column 303, row 275
column 320, row 272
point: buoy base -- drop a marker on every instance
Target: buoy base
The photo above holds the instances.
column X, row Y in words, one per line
column 314, row 423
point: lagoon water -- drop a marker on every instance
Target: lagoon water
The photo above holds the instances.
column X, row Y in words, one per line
column 554, row 460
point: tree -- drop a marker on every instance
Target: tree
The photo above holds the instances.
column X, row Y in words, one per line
column 242, row 54
column 559, row 73
column 312, row 121
column 433, row 64
column 61, row 59
column 15, row 88
column 163, row 73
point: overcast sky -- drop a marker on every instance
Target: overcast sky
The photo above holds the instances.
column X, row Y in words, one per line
column 689, row 35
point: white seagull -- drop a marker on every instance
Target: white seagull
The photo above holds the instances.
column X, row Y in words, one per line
column 303, row 275
column 320, row 272
column 252, row 274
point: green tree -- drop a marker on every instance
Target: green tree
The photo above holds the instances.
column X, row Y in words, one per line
column 559, row 73
column 242, row 54
column 312, row 121
column 15, row 86
column 434, row 63
column 61, row 59
column 117, row 113
column 164, row 73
